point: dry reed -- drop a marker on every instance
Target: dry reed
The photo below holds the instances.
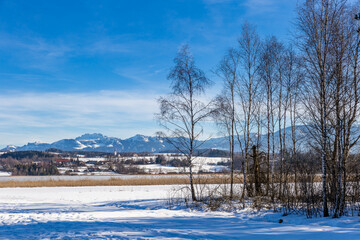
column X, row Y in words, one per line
column 116, row 182
column 142, row 180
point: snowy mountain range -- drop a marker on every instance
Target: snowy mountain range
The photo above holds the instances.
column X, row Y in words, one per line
column 99, row 143
column 139, row 143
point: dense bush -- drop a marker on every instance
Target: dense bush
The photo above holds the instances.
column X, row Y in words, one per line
column 178, row 163
column 35, row 169
column 127, row 169
column 27, row 155
column 161, row 160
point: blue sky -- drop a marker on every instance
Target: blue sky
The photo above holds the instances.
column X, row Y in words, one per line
column 72, row 67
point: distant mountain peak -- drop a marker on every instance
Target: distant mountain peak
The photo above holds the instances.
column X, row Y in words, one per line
column 10, row 147
column 91, row 136
column 139, row 137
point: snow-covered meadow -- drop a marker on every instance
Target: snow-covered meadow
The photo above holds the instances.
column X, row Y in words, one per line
column 200, row 164
column 142, row 212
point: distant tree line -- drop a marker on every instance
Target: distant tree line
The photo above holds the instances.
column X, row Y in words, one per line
column 29, row 163
column 34, row 169
column 26, row 155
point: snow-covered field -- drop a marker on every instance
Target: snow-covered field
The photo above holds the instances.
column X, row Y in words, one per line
column 5, row 174
column 200, row 164
column 141, row 212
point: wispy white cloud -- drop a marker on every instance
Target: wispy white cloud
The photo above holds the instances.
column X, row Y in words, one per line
column 85, row 111
column 145, row 75
column 35, row 52
column 34, row 45
column 80, row 104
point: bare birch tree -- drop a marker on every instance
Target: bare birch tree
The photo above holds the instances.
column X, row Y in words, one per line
column 293, row 84
column 226, row 103
column 249, row 48
column 269, row 78
column 181, row 112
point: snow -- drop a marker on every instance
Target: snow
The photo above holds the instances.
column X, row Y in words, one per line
column 95, row 159
column 159, row 169
column 80, row 146
column 83, row 171
column 207, row 164
column 5, row 174
column 142, row 212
